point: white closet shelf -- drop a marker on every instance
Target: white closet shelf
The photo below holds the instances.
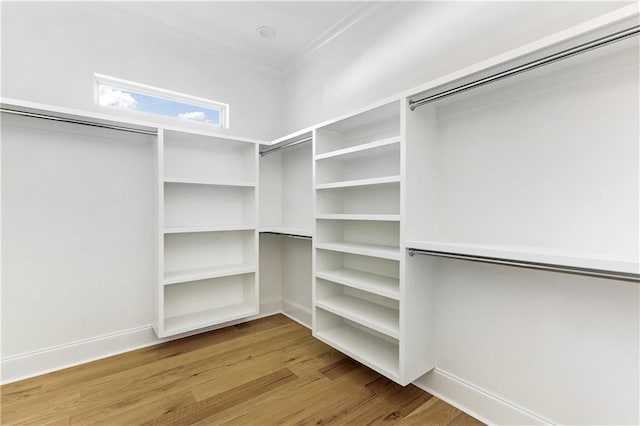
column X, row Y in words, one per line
column 374, row 352
column 176, row 277
column 191, row 229
column 355, row 151
column 359, row 182
column 192, row 321
column 372, row 283
column 523, row 254
column 365, row 249
column 209, row 182
column 287, row 231
column 377, row 317
column 341, row 216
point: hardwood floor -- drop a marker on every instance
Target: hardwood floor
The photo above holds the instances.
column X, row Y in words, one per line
column 268, row 371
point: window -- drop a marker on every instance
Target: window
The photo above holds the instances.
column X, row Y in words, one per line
column 125, row 95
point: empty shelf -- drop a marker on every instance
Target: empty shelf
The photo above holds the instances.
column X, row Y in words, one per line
column 192, row 321
column 377, row 317
column 360, row 149
column 343, row 216
column 373, row 283
column 208, row 182
column 358, row 182
column 175, row 277
column 370, row 350
column 189, row 229
column 365, row 249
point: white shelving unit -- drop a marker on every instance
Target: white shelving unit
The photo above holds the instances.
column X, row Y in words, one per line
column 362, row 306
column 207, row 231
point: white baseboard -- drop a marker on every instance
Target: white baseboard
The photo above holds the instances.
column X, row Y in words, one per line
column 26, row 365
column 297, row 312
column 476, row 401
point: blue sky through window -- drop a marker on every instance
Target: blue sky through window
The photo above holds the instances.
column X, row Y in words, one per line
column 131, row 100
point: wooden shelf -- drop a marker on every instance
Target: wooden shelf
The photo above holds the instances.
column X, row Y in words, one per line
column 358, row 182
column 376, row 353
column 343, row 216
column 191, row 229
column 206, row 182
column 365, row 249
column 377, row 317
column 372, row 283
column 528, row 255
column 193, row 321
column 360, row 149
column 176, row 277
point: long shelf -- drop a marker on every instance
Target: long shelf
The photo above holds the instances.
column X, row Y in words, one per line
column 208, row 182
column 526, row 255
column 358, row 182
column 372, row 283
column 192, row 321
column 359, row 149
column 176, row 277
column 191, row 229
column 365, row 249
column 376, row 353
column 377, row 317
column 376, row 217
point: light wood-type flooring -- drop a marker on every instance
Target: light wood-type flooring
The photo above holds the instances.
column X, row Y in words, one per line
column 263, row 372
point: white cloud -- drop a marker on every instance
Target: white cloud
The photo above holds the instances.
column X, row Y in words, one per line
column 194, row 116
column 111, row 97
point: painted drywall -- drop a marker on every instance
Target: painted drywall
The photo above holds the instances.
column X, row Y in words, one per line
column 399, row 45
column 562, row 347
column 76, row 233
column 51, row 50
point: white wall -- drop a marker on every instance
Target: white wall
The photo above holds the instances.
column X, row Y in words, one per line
column 77, row 233
column 50, row 51
column 400, row 45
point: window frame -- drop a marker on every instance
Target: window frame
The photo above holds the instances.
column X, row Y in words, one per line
column 118, row 83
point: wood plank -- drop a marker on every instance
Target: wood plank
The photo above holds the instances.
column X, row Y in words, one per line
column 266, row 371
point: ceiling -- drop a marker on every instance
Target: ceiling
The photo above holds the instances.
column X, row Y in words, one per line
column 301, row 26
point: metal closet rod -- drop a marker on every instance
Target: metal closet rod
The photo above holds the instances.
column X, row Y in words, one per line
column 625, row 276
column 285, row 146
column 300, row 237
column 81, row 122
column 564, row 54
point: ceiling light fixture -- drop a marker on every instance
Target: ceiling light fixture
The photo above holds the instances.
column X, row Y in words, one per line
column 266, row 32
